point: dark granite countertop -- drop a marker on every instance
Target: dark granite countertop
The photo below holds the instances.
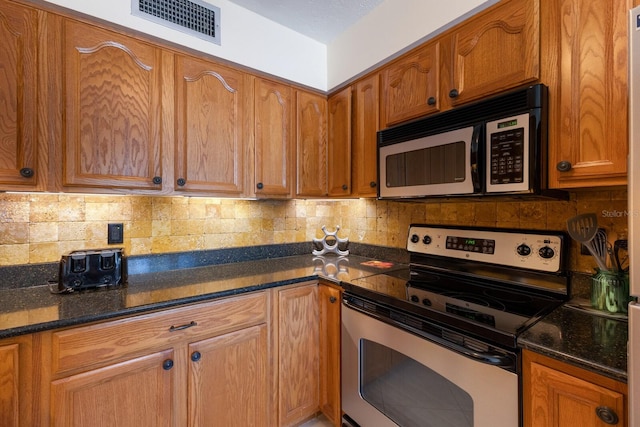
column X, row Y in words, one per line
column 590, row 341
column 35, row 308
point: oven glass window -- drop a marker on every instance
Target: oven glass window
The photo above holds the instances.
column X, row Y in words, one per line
column 409, row 393
column 442, row 164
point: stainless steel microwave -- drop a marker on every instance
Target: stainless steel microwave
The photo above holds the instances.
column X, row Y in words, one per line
column 493, row 147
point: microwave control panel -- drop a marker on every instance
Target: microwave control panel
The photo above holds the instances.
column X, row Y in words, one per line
column 508, row 154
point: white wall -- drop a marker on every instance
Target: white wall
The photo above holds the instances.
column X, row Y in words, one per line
column 246, row 39
column 390, row 28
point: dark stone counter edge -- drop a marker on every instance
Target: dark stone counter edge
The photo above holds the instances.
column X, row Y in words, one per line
column 81, row 320
column 603, row 370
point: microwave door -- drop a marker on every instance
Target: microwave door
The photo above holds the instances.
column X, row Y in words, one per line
column 435, row 165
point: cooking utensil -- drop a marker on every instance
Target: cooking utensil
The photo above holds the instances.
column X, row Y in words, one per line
column 583, row 228
column 621, row 254
column 600, row 243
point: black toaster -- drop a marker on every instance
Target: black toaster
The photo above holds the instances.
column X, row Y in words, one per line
column 91, row 269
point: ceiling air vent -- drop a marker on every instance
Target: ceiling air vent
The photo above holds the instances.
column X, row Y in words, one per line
column 190, row 16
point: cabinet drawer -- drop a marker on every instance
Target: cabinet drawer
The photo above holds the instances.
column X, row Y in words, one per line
column 102, row 343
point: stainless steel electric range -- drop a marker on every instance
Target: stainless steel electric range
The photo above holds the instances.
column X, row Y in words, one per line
column 436, row 343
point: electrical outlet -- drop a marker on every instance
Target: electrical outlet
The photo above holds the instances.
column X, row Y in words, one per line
column 115, row 234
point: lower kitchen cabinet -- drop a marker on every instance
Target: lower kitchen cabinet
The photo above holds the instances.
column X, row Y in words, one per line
column 16, row 382
column 556, row 394
column 199, row 365
column 298, row 348
column 330, row 396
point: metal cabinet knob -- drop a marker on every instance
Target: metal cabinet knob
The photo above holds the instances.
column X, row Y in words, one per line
column 259, row 186
column 157, row 180
column 453, row 93
column 607, row 415
column 332, row 299
column 26, row 172
column 195, row 356
column 564, row 166
column 345, row 187
column 167, row 364
column 431, row 100
column 181, row 182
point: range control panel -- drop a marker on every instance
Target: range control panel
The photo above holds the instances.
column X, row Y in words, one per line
column 534, row 250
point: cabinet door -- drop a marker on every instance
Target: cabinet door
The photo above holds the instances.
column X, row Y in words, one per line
column 311, row 148
column 586, row 71
column 211, row 127
column 228, row 379
column 112, row 107
column 410, row 85
column 559, row 395
column 16, row 382
column 274, row 133
column 298, row 367
column 496, row 50
column 366, row 125
column 137, row 392
column 339, row 143
column 19, row 168
column 329, row 299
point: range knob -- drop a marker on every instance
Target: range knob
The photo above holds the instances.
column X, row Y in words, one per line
column 414, row 298
column 546, row 252
column 426, row 240
column 415, row 238
column 524, row 250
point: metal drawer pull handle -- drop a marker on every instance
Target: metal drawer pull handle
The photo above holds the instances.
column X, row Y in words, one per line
column 181, row 327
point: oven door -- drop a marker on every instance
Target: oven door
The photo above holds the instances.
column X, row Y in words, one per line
column 442, row 164
column 391, row 377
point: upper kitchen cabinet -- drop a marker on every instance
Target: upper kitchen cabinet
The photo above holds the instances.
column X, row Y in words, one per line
column 585, row 67
column 112, row 131
column 366, row 123
column 20, row 166
column 497, row 49
column 274, row 144
column 410, row 85
column 339, row 110
column 311, row 146
column 213, row 104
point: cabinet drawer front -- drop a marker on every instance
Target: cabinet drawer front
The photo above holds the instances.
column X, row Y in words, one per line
column 98, row 344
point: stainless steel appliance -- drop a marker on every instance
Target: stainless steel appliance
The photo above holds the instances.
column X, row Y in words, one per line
column 435, row 344
column 493, row 147
column 633, row 360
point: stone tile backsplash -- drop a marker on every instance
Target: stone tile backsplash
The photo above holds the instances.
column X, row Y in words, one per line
column 40, row 227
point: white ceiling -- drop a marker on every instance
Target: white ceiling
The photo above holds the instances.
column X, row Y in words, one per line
column 321, row 20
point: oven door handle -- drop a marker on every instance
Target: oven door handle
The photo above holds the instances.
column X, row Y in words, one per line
column 495, row 359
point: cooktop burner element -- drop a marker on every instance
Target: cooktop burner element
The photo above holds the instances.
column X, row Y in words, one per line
column 491, row 283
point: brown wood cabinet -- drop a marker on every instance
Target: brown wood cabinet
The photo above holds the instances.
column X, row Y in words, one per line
column 497, row 49
column 585, row 67
column 556, row 394
column 311, row 148
column 329, row 299
column 17, row 405
column 339, row 109
column 113, row 130
column 298, row 342
column 204, row 364
column 21, row 165
column 212, row 111
column 366, row 124
column 274, row 105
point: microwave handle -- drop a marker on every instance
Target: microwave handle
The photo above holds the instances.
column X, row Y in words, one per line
column 475, row 158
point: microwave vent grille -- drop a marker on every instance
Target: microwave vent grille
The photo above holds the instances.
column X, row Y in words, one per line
column 511, row 103
column 194, row 17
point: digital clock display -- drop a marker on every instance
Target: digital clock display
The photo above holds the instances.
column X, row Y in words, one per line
column 471, row 244
column 507, row 124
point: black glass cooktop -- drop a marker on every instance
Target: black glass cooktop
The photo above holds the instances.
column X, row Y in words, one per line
column 485, row 309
